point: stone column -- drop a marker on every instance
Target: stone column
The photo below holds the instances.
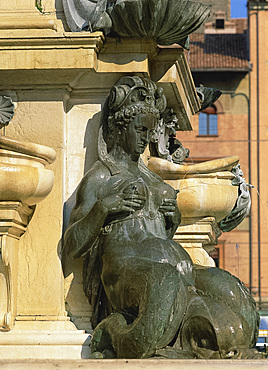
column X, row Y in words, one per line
column 198, row 239
column 14, row 218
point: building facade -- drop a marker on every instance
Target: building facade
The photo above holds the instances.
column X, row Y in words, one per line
column 231, row 55
column 219, row 58
column 258, row 26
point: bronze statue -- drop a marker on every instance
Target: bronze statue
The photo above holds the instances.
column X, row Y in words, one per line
column 148, row 298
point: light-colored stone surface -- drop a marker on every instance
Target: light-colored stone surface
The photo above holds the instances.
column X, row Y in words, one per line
column 198, row 255
column 45, row 344
column 205, row 195
column 172, row 171
column 24, row 181
column 137, row 364
column 80, row 119
column 14, row 218
column 198, row 239
column 205, row 231
column 40, row 152
column 23, row 176
column 82, row 123
column 176, row 80
column 205, row 189
column 39, row 118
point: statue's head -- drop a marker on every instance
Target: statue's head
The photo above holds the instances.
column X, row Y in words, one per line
column 129, row 98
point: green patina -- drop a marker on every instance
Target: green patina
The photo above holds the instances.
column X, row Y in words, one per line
column 148, row 298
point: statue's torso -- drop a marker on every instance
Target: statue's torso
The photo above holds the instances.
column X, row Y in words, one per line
column 141, row 234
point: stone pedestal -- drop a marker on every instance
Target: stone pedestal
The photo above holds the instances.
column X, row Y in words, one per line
column 14, row 217
column 30, row 337
column 45, row 340
column 150, row 364
column 199, row 239
column 48, row 333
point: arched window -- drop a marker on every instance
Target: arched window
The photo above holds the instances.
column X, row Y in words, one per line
column 208, row 121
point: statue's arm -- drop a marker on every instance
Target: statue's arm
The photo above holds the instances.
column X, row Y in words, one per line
column 82, row 234
column 87, row 218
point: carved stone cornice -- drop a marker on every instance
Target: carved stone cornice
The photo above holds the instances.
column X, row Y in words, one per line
column 173, row 74
column 14, row 218
column 49, row 52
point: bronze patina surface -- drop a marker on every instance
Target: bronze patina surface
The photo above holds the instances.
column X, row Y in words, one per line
column 166, row 21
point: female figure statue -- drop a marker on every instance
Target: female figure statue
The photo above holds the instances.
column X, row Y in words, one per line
column 138, row 280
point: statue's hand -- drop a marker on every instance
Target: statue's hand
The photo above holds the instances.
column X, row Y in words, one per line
column 123, row 203
column 168, row 207
column 172, row 215
column 123, row 196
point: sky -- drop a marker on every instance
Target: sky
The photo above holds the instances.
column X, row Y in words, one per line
column 238, row 8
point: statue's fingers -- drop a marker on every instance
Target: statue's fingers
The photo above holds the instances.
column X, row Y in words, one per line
column 134, row 197
column 167, row 208
column 169, row 214
column 126, row 208
column 169, row 202
column 136, row 205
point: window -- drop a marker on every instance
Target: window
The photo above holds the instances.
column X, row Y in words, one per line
column 208, row 121
column 220, row 23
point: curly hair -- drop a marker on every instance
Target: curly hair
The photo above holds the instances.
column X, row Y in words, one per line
column 126, row 114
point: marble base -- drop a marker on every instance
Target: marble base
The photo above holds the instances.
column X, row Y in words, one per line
column 134, row 364
column 59, row 342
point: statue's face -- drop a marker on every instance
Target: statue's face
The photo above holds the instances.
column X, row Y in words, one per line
column 137, row 134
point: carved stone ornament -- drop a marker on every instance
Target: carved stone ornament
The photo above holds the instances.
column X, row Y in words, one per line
column 163, row 143
column 148, row 298
column 6, row 110
column 242, row 205
column 207, row 96
column 166, row 21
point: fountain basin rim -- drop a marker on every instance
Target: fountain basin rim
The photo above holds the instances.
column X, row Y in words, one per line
column 172, row 171
column 210, row 195
column 36, row 150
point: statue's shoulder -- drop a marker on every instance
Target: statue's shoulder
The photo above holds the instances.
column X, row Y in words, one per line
column 94, row 178
column 98, row 172
column 88, row 190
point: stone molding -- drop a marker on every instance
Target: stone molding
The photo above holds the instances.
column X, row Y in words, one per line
column 45, row 344
column 150, row 364
column 198, row 239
